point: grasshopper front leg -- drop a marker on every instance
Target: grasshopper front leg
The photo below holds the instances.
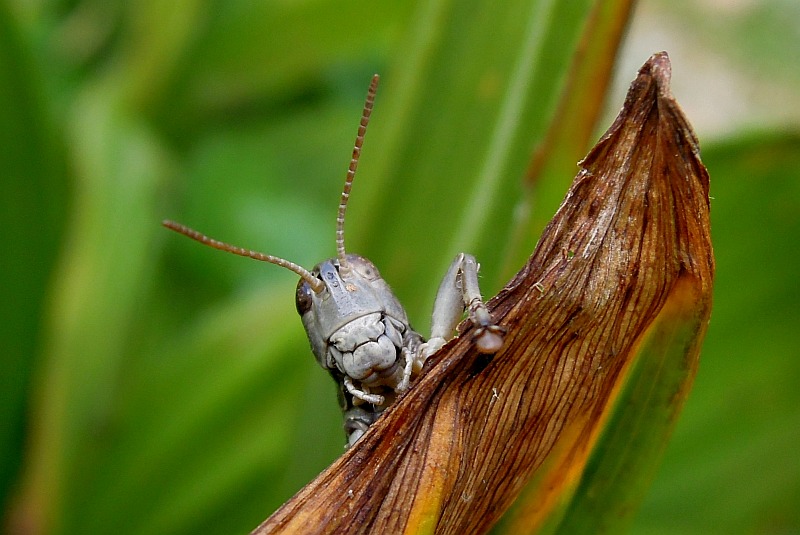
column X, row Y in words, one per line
column 459, row 290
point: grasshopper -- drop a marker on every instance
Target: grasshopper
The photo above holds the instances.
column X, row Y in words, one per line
column 358, row 329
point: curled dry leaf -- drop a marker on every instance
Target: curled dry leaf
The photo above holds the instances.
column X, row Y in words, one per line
column 630, row 241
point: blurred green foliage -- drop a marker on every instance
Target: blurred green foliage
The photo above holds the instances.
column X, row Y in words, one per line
column 150, row 385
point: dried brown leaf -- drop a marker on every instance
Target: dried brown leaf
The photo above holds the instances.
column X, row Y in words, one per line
column 454, row 453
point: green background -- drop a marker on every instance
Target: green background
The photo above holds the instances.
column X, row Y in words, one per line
column 170, row 388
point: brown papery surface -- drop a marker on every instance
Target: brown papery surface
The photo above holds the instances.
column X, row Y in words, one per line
column 454, row 453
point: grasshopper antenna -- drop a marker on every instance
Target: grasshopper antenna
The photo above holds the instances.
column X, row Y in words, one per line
column 344, row 267
column 316, row 284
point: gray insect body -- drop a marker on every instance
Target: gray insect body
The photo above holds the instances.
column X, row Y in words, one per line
column 360, row 333
column 357, row 326
column 358, row 329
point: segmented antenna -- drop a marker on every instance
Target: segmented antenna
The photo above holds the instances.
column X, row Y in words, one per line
column 316, row 284
column 351, row 174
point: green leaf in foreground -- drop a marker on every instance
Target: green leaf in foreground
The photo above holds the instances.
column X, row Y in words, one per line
column 626, row 261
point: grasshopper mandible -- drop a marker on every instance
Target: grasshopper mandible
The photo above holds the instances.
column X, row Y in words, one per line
column 358, row 329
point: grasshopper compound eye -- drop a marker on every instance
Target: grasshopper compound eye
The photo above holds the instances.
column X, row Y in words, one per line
column 302, row 298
